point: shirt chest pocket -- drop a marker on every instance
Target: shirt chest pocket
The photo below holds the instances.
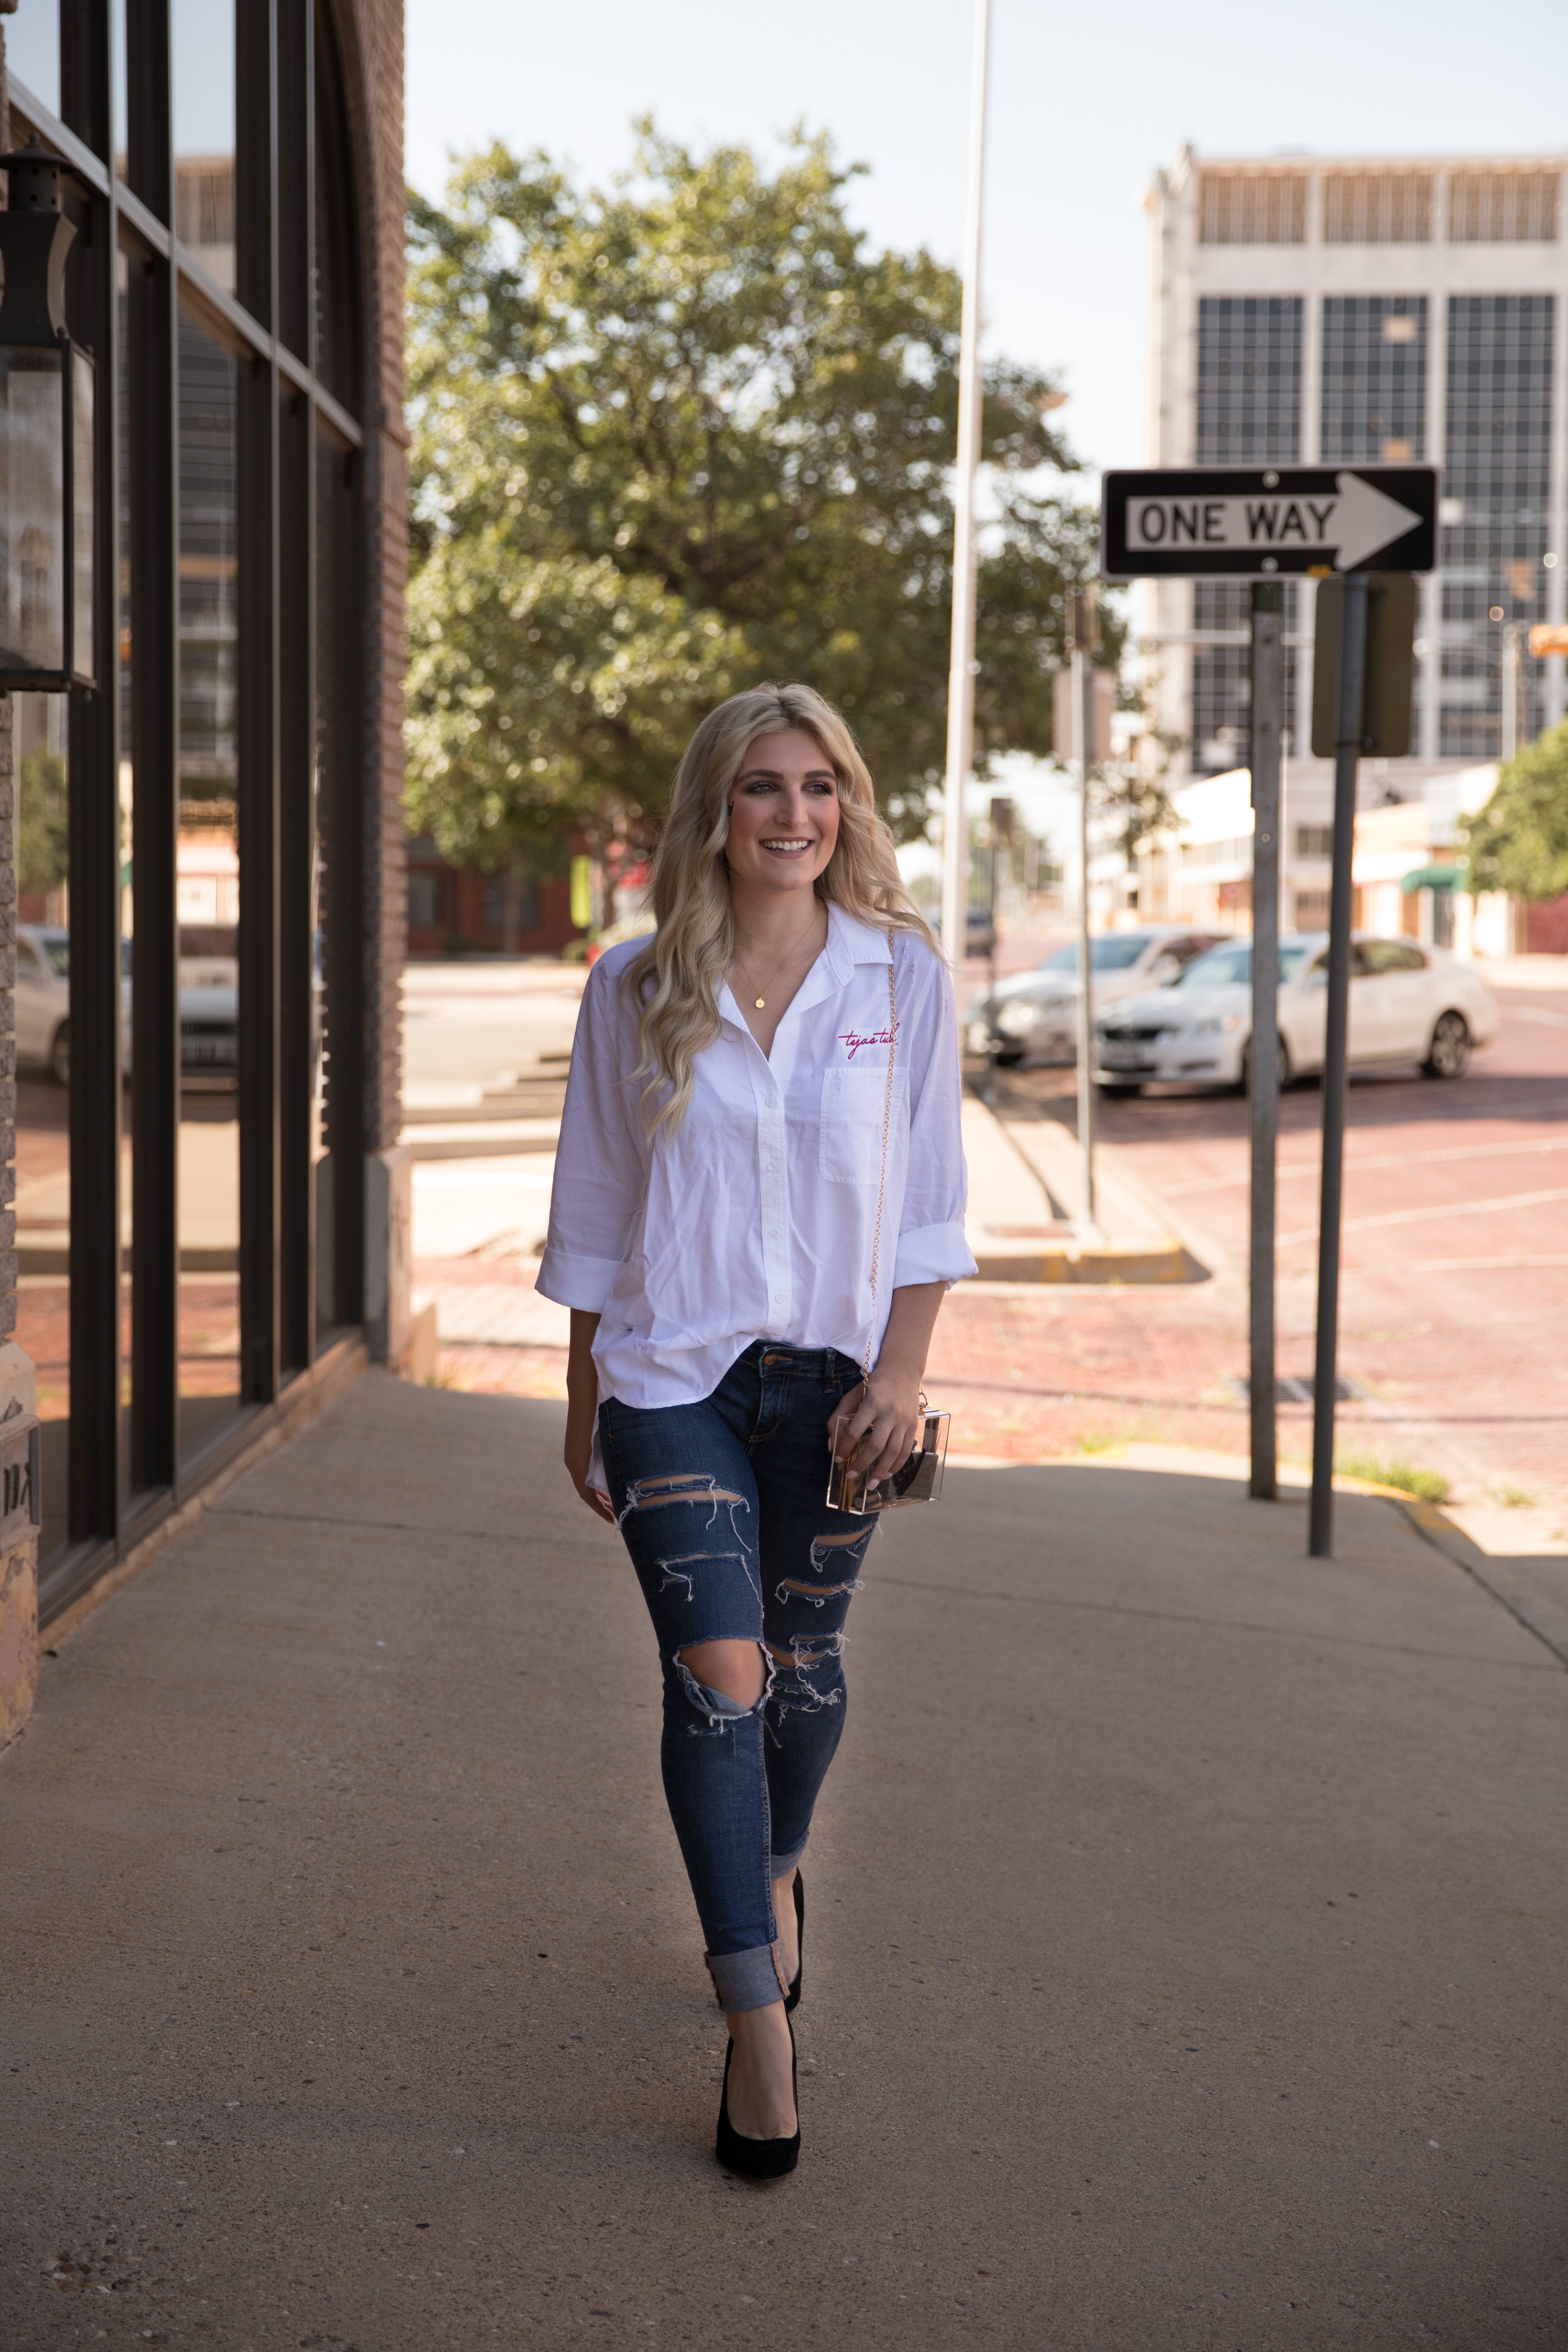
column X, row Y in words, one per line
column 853, row 1104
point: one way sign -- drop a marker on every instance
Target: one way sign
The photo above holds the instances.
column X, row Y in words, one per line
column 1244, row 522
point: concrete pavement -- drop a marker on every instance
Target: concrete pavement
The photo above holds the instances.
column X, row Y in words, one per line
column 1183, row 1959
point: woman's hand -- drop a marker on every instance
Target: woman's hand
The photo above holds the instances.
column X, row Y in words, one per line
column 583, row 1412
column 881, row 1424
column 876, row 1427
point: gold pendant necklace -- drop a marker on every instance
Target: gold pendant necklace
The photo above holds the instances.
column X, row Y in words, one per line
column 761, row 1002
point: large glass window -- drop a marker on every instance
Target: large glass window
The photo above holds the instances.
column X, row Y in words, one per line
column 201, row 34
column 1249, row 412
column 207, row 884
column 334, row 1131
column 1249, row 380
column 130, row 286
column 333, row 275
column 43, row 1081
column 190, row 840
column 1496, row 486
column 33, row 49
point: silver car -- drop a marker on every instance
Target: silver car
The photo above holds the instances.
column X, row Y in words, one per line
column 1408, row 1002
column 1034, row 1014
column 43, row 1000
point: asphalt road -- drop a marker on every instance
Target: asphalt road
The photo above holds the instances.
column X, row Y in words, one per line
column 466, row 1026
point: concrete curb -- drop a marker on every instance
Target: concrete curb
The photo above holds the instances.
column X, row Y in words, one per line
column 1106, row 1262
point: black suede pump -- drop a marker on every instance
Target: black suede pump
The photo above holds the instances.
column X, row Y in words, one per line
column 759, row 2159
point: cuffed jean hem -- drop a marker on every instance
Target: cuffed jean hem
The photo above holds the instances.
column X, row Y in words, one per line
column 784, row 1865
column 746, row 1980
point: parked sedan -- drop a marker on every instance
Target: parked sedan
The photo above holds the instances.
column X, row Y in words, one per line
column 44, row 999
column 1036, row 1012
column 1408, row 1002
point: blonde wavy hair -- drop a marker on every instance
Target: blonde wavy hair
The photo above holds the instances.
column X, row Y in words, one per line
column 678, row 974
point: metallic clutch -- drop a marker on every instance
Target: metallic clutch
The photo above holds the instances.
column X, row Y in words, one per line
column 919, row 1480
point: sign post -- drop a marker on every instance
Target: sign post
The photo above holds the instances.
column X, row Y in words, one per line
column 1325, row 1363
column 1361, row 674
column 1265, row 523
column 1085, row 638
column 1263, row 1090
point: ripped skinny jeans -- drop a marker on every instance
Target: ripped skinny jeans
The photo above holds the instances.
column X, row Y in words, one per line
column 721, row 1504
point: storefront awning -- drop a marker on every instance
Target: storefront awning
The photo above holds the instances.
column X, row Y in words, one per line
column 1435, row 877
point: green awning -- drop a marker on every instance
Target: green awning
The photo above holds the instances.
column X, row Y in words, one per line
column 1435, row 877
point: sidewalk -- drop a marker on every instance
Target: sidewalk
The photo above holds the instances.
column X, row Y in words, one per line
column 1183, row 1956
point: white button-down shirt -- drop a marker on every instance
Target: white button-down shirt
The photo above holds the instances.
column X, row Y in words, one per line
column 756, row 1218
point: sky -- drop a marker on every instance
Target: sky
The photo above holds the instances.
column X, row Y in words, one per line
column 1087, row 104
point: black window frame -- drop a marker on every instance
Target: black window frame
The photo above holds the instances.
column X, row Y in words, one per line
column 127, row 1470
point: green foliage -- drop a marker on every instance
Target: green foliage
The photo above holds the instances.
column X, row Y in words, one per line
column 1519, row 842
column 1139, row 807
column 43, row 822
column 679, row 436
column 1430, row 1484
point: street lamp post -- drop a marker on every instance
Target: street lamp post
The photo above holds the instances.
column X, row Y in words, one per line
column 46, row 387
column 961, row 674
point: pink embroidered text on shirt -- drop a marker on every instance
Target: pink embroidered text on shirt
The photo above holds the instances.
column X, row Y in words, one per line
column 853, row 1040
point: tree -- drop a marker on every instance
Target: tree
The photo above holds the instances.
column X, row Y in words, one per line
column 1519, row 842
column 679, row 436
column 43, row 822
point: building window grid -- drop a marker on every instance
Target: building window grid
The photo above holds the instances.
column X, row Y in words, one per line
column 1252, row 208
column 1517, row 207
column 1377, row 207
column 1249, row 380
column 1497, row 468
column 1249, row 412
column 1372, row 405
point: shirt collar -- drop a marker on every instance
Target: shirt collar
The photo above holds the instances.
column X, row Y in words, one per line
column 850, row 941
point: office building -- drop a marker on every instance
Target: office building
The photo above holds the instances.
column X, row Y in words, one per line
column 1329, row 312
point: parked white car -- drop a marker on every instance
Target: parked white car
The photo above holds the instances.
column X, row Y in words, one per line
column 1410, row 1002
column 43, row 999
column 1035, row 1012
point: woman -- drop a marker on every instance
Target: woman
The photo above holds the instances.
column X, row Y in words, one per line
column 744, row 1210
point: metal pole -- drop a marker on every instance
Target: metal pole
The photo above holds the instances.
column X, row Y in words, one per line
column 960, row 674
column 1510, row 667
column 1268, row 715
column 1325, row 1373
column 1084, row 633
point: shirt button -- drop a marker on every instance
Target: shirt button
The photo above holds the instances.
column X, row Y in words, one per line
column 772, row 1168
column 772, row 1233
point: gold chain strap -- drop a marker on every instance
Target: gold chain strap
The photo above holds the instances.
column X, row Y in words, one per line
column 882, row 1186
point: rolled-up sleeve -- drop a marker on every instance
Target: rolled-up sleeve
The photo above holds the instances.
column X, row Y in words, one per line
column 600, row 1161
column 931, row 1243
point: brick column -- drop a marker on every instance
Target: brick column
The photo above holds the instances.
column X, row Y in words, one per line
column 19, row 1392
column 374, row 77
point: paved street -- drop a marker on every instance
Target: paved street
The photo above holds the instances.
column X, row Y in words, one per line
column 468, row 1025
column 1182, row 1944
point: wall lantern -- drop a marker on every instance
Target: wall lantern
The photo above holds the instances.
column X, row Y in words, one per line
column 47, row 386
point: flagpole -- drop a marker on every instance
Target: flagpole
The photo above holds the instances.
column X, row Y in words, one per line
column 961, row 674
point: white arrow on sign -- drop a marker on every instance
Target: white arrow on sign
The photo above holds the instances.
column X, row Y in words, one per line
column 1352, row 522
